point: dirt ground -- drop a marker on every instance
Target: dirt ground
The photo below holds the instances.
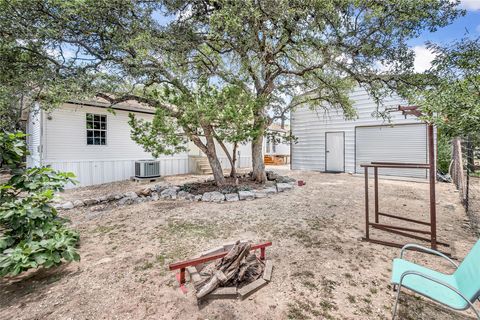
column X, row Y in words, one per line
column 322, row 270
column 474, row 203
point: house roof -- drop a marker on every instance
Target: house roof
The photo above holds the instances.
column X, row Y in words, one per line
column 126, row 106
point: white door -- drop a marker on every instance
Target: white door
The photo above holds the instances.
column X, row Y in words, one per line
column 334, row 152
column 400, row 143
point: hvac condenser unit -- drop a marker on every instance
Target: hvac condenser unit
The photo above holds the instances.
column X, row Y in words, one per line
column 147, row 169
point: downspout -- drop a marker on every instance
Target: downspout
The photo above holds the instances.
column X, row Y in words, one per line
column 42, row 142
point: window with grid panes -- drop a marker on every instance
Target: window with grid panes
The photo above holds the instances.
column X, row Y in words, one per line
column 96, row 129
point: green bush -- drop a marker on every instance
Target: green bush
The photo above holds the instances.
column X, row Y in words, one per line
column 31, row 232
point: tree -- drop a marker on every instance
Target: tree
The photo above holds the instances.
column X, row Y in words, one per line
column 283, row 53
column 203, row 115
column 29, row 73
column 452, row 100
column 235, row 123
column 291, row 53
column 31, row 233
column 128, row 44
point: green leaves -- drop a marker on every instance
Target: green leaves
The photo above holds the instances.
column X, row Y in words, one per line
column 31, row 233
column 452, row 100
column 227, row 110
column 12, row 148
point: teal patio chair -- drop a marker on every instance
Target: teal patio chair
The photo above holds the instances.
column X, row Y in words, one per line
column 458, row 290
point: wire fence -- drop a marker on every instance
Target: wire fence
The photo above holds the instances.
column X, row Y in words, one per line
column 465, row 172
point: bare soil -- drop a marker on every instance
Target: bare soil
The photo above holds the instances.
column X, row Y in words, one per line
column 322, row 270
column 474, row 203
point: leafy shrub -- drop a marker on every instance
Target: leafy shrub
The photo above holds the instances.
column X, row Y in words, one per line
column 444, row 156
column 189, row 187
column 12, row 149
column 31, row 232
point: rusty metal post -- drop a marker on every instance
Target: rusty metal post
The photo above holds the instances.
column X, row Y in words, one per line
column 367, row 220
column 432, row 178
column 375, row 171
column 182, row 276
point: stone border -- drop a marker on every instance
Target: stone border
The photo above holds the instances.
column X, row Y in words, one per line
column 275, row 184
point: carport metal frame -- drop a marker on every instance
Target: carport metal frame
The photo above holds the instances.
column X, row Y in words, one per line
column 396, row 229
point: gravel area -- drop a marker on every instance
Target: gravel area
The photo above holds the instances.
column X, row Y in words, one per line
column 322, row 270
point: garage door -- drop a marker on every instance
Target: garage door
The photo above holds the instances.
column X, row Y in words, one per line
column 401, row 143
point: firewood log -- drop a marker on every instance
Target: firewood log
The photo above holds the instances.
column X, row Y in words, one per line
column 227, row 268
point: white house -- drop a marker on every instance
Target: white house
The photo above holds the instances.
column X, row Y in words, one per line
column 327, row 142
column 95, row 144
column 277, row 150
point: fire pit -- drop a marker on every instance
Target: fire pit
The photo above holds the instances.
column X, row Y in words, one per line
column 237, row 271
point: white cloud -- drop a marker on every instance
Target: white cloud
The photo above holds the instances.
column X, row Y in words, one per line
column 470, row 4
column 423, row 58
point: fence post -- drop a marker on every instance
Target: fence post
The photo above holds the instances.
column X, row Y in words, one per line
column 457, row 170
column 470, row 169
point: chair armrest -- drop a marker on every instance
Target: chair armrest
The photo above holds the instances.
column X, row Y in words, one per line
column 428, row 250
column 406, row 273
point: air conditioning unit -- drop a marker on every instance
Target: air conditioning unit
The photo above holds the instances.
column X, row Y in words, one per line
column 147, row 169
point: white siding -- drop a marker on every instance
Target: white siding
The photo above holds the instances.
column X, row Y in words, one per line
column 91, row 172
column 310, row 126
column 66, row 136
column 66, row 148
column 34, row 129
column 282, row 148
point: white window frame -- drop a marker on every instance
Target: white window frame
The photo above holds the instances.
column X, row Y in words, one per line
column 94, row 129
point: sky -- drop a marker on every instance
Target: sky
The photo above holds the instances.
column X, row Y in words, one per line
column 466, row 26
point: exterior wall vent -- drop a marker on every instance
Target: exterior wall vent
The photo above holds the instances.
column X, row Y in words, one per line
column 147, row 168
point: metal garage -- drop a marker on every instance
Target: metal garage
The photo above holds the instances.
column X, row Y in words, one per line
column 328, row 142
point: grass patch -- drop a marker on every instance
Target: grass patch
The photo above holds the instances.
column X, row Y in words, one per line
column 328, row 286
column 300, row 310
column 351, row 298
column 145, row 266
column 190, row 229
column 305, row 239
column 160, row 258
column 104, row 229
column 310, row 285
column 304, row 274
column 296, row 313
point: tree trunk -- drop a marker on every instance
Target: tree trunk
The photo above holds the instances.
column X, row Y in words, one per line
column 231, row 158
column 209, row 150
column 216, row 168
column 212, row 156
column 233, row 170
column 257, row 158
